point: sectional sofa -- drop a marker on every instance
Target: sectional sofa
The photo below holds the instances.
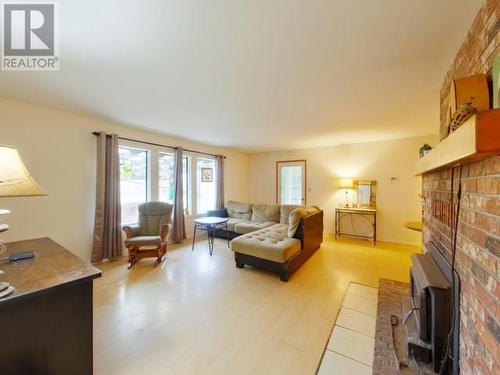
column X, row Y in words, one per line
column 276, row 238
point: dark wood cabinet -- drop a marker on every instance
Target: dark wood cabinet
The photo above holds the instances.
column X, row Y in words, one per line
column 46, row 324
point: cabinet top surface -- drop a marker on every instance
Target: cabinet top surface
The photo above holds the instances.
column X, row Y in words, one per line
column 51, row 267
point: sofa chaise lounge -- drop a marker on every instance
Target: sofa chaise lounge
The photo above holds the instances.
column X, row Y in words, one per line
column 276, row 238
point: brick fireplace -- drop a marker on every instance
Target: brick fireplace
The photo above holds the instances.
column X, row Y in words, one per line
column 478, row 252
column 478, row 243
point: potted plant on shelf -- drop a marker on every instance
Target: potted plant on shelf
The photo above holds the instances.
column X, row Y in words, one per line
column 424, row 150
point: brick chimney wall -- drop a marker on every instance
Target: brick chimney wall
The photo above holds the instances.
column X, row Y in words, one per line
column 478, row 244
column 475, row 55
column 477, row 259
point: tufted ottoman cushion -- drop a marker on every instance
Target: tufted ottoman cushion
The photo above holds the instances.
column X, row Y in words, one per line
column 270, row 243
column 251, row 226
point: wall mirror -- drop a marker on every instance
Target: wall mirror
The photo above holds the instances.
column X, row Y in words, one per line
column 366, row 196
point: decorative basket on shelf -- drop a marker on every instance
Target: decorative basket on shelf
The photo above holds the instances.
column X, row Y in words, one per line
column 465, row 112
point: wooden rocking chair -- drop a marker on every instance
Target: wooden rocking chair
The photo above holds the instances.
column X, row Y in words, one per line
column 149, row 238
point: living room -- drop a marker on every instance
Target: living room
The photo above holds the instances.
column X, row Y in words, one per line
column 250, row 187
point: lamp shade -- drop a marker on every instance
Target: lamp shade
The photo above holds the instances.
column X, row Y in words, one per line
column 15, row 180
column 346, row 183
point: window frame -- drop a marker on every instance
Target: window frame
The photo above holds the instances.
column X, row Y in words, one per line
column 195, row 173
column 153, row 173
column 130, row 145
column 187, row 205
column 160, row 153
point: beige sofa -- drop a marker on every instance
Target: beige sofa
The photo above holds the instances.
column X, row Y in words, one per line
column 278, row 238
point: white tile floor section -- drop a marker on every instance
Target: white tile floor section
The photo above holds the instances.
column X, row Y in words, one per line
column 351, row 345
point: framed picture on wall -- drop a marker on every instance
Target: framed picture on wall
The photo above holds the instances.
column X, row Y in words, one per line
column 207, row 174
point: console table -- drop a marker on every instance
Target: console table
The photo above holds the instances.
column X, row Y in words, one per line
column 369, row 214
column 47, row 321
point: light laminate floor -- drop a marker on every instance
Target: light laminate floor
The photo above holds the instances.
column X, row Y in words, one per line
column 198, row 314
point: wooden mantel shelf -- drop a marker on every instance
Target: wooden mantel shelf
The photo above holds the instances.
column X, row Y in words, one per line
column 477, row 138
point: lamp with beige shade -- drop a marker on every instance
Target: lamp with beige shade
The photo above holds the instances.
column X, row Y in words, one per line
column 346, row 184
column 15, row 181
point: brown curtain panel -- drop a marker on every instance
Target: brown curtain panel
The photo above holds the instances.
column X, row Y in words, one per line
column 179, row 227
column 107, row 243
column 219, row 167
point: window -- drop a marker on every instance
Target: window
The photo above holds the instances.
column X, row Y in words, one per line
column 291, row 182
column 185, row 183
column 148, row 174
column 166, row 178
column 205, row 171
column 133, row 181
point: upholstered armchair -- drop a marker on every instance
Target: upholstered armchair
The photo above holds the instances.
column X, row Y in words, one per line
column 149, row 238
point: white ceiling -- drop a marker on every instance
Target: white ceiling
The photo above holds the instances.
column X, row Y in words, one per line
column 257, row 74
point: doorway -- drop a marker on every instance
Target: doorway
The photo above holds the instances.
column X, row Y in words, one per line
column 291, row 182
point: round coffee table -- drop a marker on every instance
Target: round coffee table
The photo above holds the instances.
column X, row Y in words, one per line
column 210, row 224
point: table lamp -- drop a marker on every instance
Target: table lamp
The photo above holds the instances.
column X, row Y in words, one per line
column 15, row 181
column 346, row 184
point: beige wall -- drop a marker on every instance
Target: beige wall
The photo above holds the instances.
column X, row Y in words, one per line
column 397, row 201
column 60, row 152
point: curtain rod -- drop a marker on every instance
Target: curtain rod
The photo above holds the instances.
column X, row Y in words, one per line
column 166, row 146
